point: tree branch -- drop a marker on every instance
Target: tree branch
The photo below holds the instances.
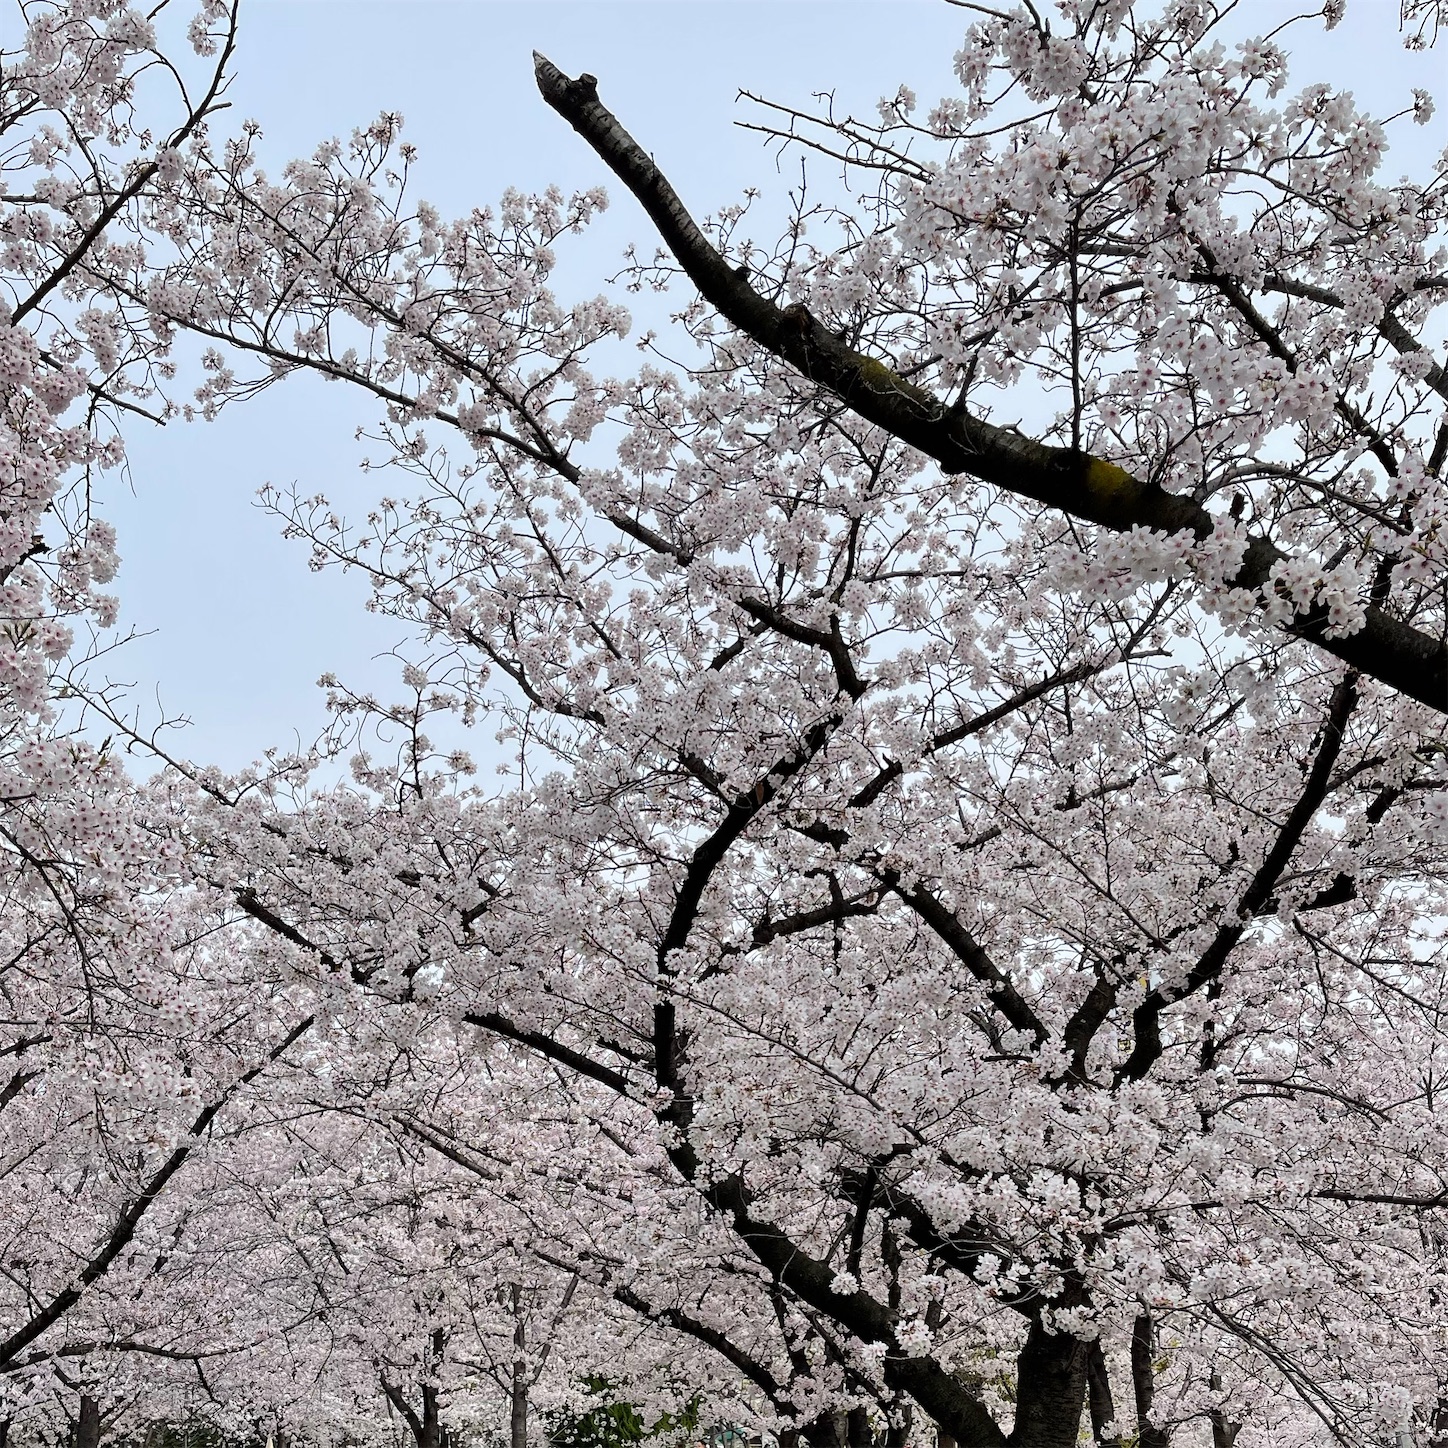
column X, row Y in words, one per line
column 1147, row 1047
column 134, row 1209
column 1076, row 484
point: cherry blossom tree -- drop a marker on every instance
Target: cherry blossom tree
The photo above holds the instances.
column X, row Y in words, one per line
column 131, row 1047
column 979, row 884
column 958, row 944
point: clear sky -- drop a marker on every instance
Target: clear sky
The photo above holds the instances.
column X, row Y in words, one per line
column 239, row 628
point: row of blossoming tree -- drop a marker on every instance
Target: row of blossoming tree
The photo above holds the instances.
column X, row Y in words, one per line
column 959, row 952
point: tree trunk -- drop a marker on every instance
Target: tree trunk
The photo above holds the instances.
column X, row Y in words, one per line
column 900, row 1428
column 427, row 1430
column 431, row 1435
column 1050, row 1389
column 826, row 1431
column 934, row 1316
column 1224, row 1432
column 1143, row 1382
column 1103, row 1405
column 88, row 1427
column 518, row 1405
column 1437, row 1437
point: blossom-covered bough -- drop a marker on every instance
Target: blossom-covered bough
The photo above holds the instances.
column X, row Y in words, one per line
column 957, row 945
column 1121, row 226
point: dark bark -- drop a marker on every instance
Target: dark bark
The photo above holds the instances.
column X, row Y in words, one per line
column 518, row 1397
column 963, row 1249
column 899, row 1414
column 934, row 1316
column 553, row 1050
column 426, row 1427
column 1092, row 489
column 131, row 1213
column 1147, row 1047
column 88, row 1425
column 1224, row 1433
column 1050, row 1389
column 811, row 1280
column 1004, row 996
column 826, row 1431
column 1437, row 1439
column 431, row 1421
column 1143, row 1383
column 1098, row 1393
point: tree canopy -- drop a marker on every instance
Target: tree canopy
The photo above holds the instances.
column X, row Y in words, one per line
column 956, row 950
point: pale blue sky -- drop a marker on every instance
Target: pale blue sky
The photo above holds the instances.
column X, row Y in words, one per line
column 241, row 628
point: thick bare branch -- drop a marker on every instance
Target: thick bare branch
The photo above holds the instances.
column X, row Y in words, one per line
column 1077, row 484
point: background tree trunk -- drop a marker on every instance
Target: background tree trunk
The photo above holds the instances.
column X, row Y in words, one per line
column 431, row 1435
column 1437, row 1436
column 826, row 1431
column 88, row 1426
column 1224, row 1434
column 518, row 1406
column 1098, row 1392
column 1143, row 1382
